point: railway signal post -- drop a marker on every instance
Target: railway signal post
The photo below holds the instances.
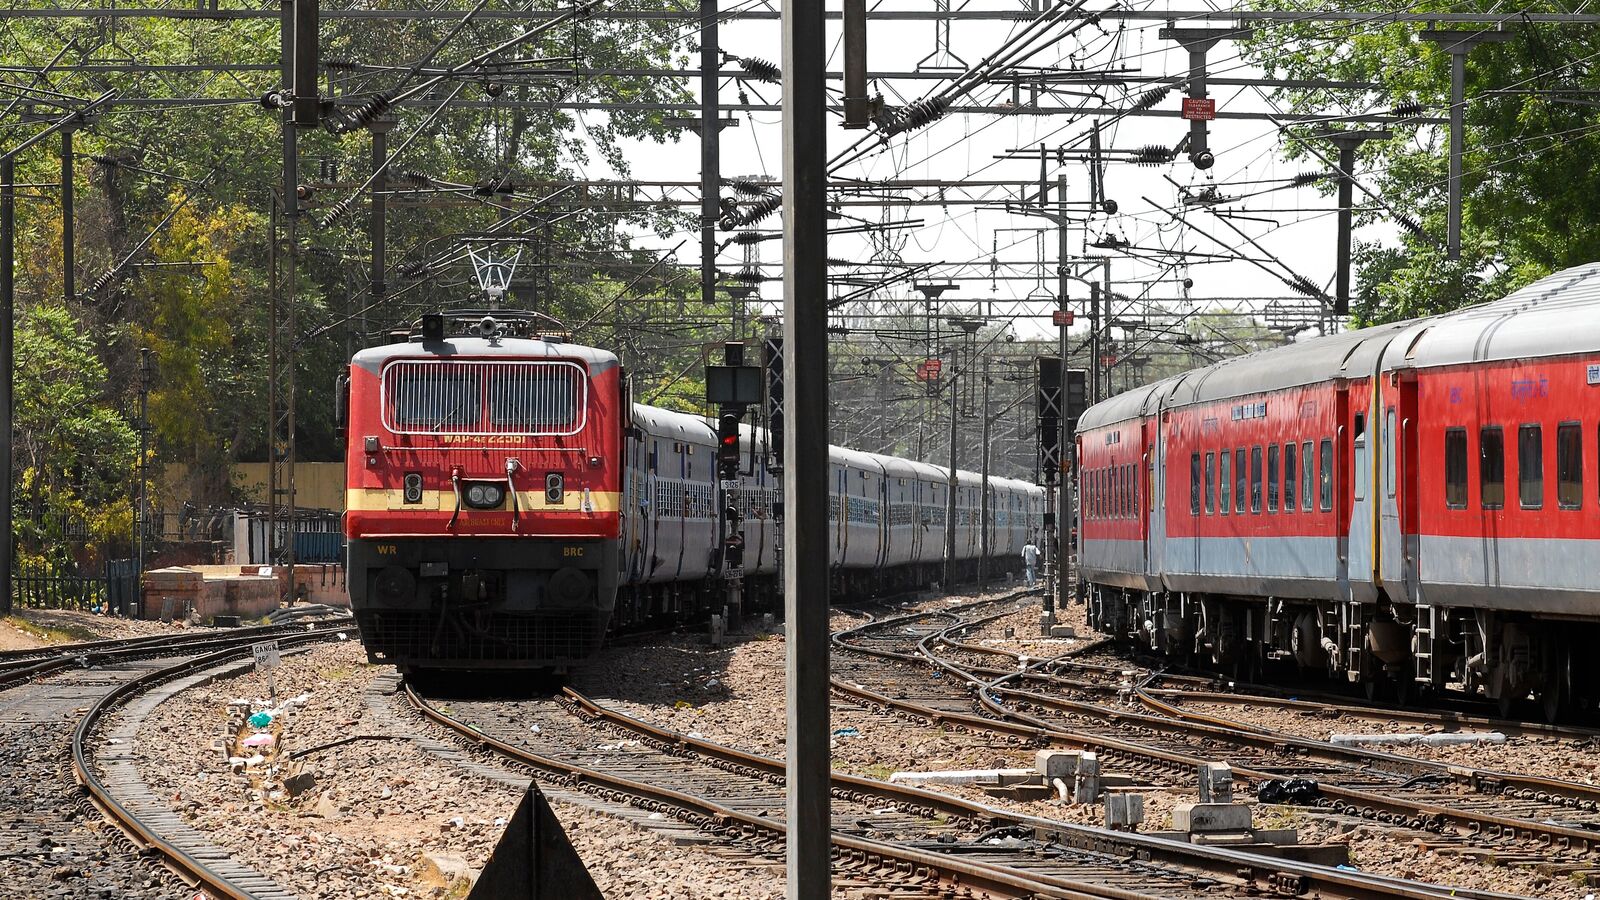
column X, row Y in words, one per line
column 734, row 387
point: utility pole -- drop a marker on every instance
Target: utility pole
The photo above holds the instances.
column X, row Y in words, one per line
column 1347, row 142
column 1458, row 44
column 1199, row 41
column 805, row 482
column 69, row 287
column 142, row 498
column 8, row 208
column 983, row 502
column 955, row 481
column 377, row 223
column 710, row 149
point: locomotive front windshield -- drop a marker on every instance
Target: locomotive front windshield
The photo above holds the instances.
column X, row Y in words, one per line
column 531, row 397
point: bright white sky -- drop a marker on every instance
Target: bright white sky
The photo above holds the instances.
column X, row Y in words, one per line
column 1295, row 225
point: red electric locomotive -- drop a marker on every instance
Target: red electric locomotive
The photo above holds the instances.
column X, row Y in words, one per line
column 1401, row 505
column 483, row 477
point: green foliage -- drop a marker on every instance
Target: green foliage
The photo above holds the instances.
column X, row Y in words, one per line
column 1531, row 193
column 74, row 450
column 198, row 292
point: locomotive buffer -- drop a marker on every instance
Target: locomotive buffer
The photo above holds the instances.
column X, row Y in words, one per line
column 734, row 387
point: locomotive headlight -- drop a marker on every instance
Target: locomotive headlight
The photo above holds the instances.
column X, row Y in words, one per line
column 485, row 496
column 412, row 487
column 554, row 487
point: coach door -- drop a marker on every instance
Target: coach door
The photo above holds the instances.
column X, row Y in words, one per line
column 1399, row 545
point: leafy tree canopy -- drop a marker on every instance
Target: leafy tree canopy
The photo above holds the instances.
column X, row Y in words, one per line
column 1532, row 193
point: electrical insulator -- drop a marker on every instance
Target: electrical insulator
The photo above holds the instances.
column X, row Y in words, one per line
column 761, row 70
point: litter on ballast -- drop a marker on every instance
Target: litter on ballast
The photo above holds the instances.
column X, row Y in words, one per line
column 847, row 731
column 534, row 728
column 260, row 740
column 260, row 720
column 1442, row 739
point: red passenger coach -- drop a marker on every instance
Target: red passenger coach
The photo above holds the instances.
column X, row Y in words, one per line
column 483, row 477
column 1403, row 505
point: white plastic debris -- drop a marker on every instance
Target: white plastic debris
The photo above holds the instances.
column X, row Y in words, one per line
column 965, row 776
column 535, row 729
column 1427, row 740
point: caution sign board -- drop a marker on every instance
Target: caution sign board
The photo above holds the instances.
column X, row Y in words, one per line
column 1201, row 109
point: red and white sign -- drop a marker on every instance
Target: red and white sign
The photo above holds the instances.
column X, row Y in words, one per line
column 1201, row 109
column 1108, row 360
column 1062, row 318
column 928, row 369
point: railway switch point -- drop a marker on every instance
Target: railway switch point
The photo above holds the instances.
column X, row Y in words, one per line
column 1210, row 818
column 1216, row 783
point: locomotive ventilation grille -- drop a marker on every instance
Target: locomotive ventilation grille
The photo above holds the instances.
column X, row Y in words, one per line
column 544, row 398
column 417, row 637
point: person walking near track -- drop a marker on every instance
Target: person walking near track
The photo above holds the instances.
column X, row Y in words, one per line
column 1030, row 560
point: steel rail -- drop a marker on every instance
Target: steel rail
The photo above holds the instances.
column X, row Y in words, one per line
column 1416, row 814
column 728, row 821
column 1174, row 718
column 191, row 869
column 1264, row 872
column 24, row 670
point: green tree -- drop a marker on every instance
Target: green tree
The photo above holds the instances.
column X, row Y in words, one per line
column 1531, row 193
column 75, row 450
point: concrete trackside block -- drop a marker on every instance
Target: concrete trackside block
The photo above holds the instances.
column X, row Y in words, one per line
column 1086, row 787
column 1063, row 631
column 1057, row 763
column 1216, row 782
column 1210, row 817
column 1124, row 812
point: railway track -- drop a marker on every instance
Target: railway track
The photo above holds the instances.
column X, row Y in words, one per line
column 915, row 839
column 903, row 664
column 21, row 666
column 108, row 783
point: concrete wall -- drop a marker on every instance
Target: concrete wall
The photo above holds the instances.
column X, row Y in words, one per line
column 318, row 485
column 248, row 592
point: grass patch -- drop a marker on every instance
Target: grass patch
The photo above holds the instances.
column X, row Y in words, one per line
column 63, row 634
column 880, row 772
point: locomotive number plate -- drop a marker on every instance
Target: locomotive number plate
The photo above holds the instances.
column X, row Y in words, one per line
column 1594, row 374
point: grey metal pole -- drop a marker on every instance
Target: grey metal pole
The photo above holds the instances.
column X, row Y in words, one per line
column 377, row 229
column 1458, row 138
column 1094, row 343
column 983, row 502
column 954, row 483
column 69, row 285
column 805, row 478
column 710, row 149
column 8, row 236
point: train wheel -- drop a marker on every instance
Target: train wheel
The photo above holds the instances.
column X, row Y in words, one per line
column 1405, row 689
column 1506, row 704
column 1372, row 686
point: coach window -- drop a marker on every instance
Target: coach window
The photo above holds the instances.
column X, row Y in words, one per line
column 1530, row 466
column 1255, row 479
column 1308, row 480
column 1326, row 485
column 1211, row 483
column 1290, row 473
column 1241, row 481
column 1455, row 468
column 1492, row 468
column 1389, row 436
column 1225, row 478
column 1194, row 484
column 1569, row 465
